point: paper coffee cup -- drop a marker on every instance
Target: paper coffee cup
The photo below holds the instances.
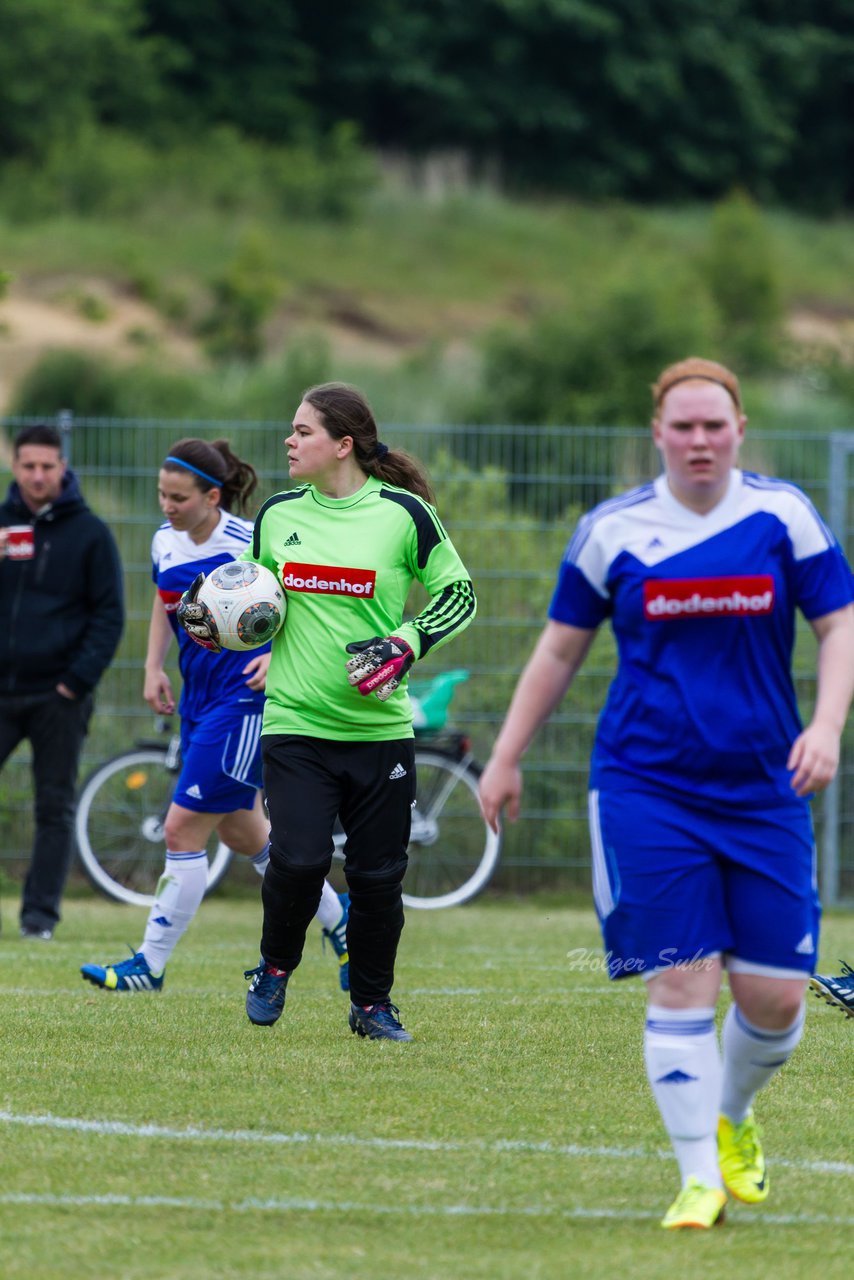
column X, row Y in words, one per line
column 20, row 544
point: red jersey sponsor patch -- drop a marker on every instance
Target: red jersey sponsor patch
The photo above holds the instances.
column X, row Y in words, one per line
column 171, row 599
column 746, row 596
column 331, row 580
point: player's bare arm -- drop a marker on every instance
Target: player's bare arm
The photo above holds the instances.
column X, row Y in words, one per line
column 814, row 757
column 157, row 688
column 549, row 672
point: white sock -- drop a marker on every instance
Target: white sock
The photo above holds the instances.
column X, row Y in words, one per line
column 684, row 1071
column 330, row 912
column 261, row 860
column 751, row 1057
column 178, row 896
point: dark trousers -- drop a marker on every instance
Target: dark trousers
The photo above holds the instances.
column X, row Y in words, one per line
column 55, row 727
column 371, row 786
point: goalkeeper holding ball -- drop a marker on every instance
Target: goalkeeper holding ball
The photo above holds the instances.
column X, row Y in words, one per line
column 337, row 737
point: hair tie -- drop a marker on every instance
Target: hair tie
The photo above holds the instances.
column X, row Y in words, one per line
column 382, row 450
column 190, row 467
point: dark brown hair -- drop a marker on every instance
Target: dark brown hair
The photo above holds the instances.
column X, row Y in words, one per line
column 38, row 433
column 696, row 369
column 212, row 464
column 346, row 412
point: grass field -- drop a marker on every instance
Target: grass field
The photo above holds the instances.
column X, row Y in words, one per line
column 165, row 1138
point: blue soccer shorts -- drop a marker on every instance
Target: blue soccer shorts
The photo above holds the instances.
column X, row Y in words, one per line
column 220, row 760
column 675, row 880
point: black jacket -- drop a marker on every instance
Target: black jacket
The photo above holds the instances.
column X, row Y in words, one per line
column 62, row 611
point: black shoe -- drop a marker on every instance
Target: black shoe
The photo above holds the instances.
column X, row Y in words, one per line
column 33, row 931
column 265, row 998
column 377, row 1021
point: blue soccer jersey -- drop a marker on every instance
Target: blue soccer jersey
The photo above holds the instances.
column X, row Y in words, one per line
column 210, row 679
column 703, row 611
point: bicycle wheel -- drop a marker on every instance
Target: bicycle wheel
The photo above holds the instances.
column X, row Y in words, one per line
column 119, row 827
column 452, row 851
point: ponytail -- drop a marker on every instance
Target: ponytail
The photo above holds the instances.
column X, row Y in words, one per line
column 214, row 465
column 346, row 412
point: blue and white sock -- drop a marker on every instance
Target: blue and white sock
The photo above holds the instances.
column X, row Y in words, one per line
column 261, row 860
column 683, row 1066
column 751, row 1057
column 178, row 897
column 330, row 913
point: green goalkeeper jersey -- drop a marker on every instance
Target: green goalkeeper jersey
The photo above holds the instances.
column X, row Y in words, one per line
column 347, row 565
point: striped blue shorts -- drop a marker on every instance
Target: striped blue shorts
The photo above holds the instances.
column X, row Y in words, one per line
column 221, row 760
column 675, row 880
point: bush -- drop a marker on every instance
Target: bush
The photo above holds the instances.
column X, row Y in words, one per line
column 93, row 388
column 596, row 367
column 330, row 180
column 107, row 171
column 99, row 171
column 741, row 276
column 591, row 369
column 69, row 380
column 244, row 296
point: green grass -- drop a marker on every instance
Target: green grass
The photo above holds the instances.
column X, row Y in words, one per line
column 515, row 1137
column 425, row 270
column 400, row 297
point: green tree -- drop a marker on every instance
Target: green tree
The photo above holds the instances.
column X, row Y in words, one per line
column 66, row 63
column 586, row 369
column 243, row 64
column 741, row 276
column 245, row 293
column 640, row 98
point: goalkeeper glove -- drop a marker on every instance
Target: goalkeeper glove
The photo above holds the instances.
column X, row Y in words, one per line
column 379, row 665
column 196, row 618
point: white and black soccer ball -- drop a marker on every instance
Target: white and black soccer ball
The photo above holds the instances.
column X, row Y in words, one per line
column 245, row 604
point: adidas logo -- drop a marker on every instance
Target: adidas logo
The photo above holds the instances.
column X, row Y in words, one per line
column 167, row 924
column 293, row 540
column 654, row 542
column 806, row 946
column 675, row 1077
column 139, row 982
column 397, row 772
column 194, row 792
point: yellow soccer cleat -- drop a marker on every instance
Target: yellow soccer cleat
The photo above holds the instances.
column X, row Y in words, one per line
column 129, row 975
column 741, row 1160
column 696, row 1206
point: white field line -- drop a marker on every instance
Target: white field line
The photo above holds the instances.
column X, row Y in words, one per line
column 500, row 1146
column 254, row 1205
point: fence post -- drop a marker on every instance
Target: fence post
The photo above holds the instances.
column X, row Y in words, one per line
column 65, row 424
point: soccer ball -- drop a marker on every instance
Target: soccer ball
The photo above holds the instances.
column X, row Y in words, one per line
column 244, row 604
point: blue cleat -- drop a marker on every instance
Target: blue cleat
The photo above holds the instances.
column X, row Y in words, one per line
column 129, row 975
column 377, row 1021
column 837, row 991
column 338, row 940
column 265, row 998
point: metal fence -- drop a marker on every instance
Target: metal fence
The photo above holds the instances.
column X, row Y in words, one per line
column 510, row 497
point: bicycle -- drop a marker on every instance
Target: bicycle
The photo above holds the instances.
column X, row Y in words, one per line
column 452, row 852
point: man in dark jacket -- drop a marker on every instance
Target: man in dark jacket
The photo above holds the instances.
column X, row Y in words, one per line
column 62, row 615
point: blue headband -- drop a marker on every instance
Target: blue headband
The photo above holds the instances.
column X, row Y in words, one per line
column 190, row 467
column 382, row 450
